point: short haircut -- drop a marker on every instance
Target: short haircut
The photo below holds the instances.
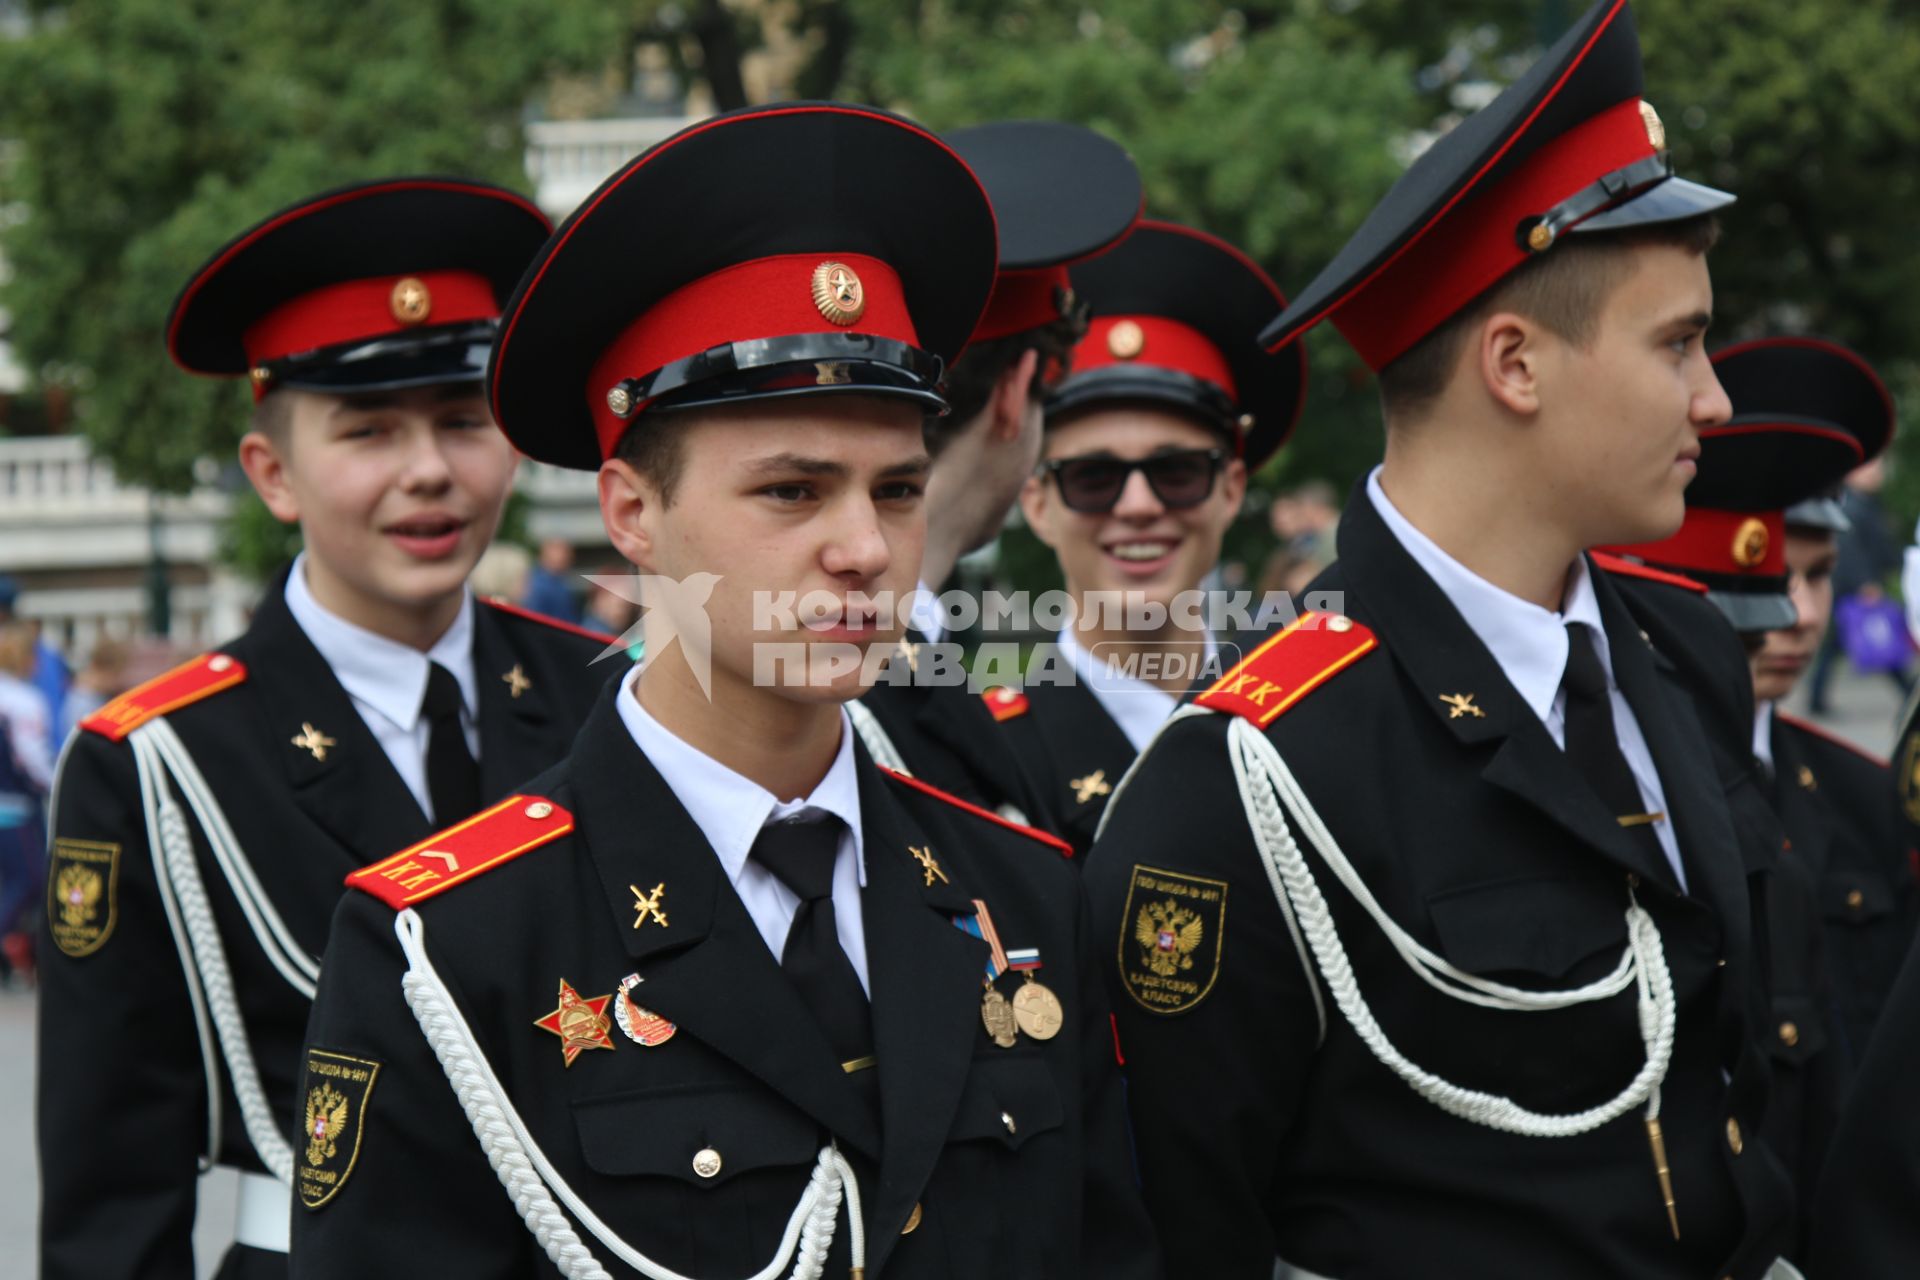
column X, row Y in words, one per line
column 655, row 446
column 273, row 418
column 971, row 378
column 1564, row 289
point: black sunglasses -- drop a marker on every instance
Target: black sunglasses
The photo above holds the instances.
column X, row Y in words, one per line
column 1092, row 483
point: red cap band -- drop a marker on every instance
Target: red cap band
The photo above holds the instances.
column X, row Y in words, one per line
column 1156, row 342
column 770, row 297
column 1022, row 300
column 1744, row 543
column 1473, row 247
column 357, row 310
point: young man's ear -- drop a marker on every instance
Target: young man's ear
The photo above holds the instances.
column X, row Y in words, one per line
column 1011, row 401
column 629, row 506
column 264, row 460
column 1509, row 359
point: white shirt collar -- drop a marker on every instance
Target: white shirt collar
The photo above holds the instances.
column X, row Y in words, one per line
column 926, row 616
column 1139, row 708
column 1529, row 643
column 729, row 807
column 384, row 674
column 1763, row 733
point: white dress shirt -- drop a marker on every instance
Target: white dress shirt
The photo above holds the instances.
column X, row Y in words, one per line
column 927, row 617
column 1530, row 645
column 1763, row 734
column 730, row 809
column 1137, row 707
column 387, row 680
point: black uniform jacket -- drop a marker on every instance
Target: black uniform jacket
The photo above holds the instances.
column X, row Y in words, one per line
column 122, row 1092
column 946, row 736
column 1864, row 1223
column 1074, row 754
column 1795, row 1014
column 972, row 1159
column 1834, row 801
column 1478, row 837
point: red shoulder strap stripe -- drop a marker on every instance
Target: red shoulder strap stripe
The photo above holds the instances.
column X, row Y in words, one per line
column 187, row 683
column 1289, row 665
column 514, row 609
column 488, row 839
column 1064, row 849
column 1634, row 569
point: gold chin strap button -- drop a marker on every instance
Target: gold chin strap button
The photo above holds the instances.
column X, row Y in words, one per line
column 1735, row 1143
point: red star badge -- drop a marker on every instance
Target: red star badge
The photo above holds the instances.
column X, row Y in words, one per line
column 581, row 1022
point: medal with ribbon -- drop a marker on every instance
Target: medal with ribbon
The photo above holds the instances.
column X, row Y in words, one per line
column 1035, row 1008
column 995, row 1013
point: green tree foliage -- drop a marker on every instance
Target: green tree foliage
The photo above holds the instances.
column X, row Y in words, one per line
column 149, row 131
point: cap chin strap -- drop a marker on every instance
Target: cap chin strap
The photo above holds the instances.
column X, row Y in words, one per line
column 533, row 1183
column 1267, row 787
column 1540, row 234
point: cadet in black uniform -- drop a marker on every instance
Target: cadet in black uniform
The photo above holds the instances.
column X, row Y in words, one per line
column 716, row 994
column 923, row 718
column 1430, row 922
column 204, row 820
column 1760, row 536
column 1170, row 403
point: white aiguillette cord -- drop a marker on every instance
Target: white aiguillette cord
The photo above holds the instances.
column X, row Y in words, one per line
column 1266, row 783
column 532, row 1182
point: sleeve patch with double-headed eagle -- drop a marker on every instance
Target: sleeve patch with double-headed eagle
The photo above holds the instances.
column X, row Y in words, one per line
column 337, row 1089
column 1171, row 938
column 187, row 683
column 1289, row 665
column 489, row 838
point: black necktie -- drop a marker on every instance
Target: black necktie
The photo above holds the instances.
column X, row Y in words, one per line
column 801, row 855
column 453, row 779
column 1592, row 744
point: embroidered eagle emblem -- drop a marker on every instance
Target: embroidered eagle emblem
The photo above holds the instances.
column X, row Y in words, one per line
column 1168, row 934
column 326, row 1121
column 78, row 889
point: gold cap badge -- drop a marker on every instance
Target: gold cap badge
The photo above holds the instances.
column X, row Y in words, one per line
column 1126, row 340
column 1750, row 543
column 1656, row 132
column 410, row 301
column 838, row 293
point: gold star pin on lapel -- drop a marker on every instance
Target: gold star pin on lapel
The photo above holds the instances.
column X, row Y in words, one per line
column 650, row 906
column 1094, row 784
column 517, row 680
column 928, row 864
column 1461, row 704
column 311, row 739
column 1807, row 779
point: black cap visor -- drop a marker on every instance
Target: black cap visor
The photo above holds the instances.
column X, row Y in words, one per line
column 1670, row 200
column 1753, row 606
column 1118, row 384
column 426, row 358
column 1818, row 513
column 803, row 364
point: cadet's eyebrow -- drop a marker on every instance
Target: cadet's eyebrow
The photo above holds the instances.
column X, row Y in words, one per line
column 911, row 467
column 790, row 463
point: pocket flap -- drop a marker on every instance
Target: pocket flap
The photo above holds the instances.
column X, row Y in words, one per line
column 1542, row 925
column 1798, row 1032
column 662, row 1131
column 1007, row 1099
column 1855, row 896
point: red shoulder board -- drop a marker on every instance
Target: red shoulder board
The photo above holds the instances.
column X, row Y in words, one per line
column 1634, row 569
column 189, row 682
column 1288, row 666
column 1828, row 735
column 1055, row 843
column 461, row 852
column 1004, row 703
column 500, row 603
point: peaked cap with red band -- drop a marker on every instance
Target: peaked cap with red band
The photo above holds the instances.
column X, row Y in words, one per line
column 375, row 286
column 1177, row 316
column 1568, row 147
column 1061, row 193
column 798, row 249
column 1805, row 413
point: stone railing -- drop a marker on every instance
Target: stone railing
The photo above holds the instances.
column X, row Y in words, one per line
column 567, row 159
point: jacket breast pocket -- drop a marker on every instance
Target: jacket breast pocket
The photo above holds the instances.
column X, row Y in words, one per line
column 1543, row 927
column 700, row 1135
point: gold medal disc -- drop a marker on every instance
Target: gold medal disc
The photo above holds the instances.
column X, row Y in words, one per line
column 998, row 1018
column 1038, row 1010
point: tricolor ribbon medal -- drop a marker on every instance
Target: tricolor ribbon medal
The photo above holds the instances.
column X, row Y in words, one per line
column 580, row 1022
column 1035, row 1007
column 641, row 1025
column 995, row 1013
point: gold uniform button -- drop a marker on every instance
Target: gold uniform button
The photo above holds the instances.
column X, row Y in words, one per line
column 1789, row 1034
column 1734, row 1141
column 913, row 1221
column 706, row 1162
column 1006, row 1118
column 1856, row 899
column 541, row 809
